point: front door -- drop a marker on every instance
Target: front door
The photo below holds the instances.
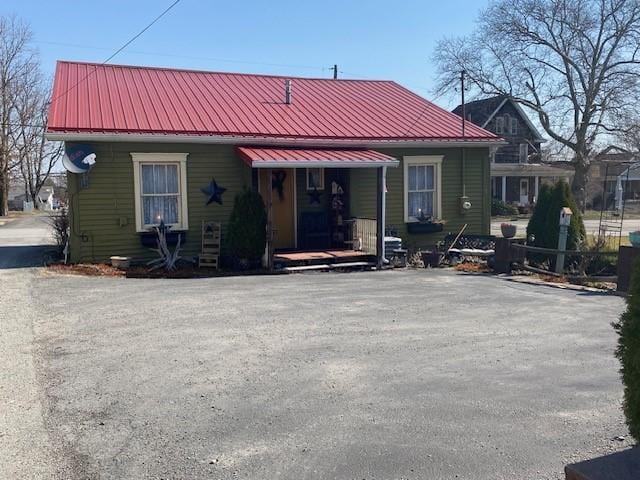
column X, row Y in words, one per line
column 283, row 196
column 524, row 191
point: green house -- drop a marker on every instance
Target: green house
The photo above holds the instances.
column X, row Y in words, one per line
column 339, row 163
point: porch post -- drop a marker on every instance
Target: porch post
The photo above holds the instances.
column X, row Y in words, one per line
column 269, row 220
column 537, row 188
column 504, row 188
column 380, row 217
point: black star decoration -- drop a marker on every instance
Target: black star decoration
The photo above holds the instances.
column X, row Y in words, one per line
column 214, row 191
column 314, row 196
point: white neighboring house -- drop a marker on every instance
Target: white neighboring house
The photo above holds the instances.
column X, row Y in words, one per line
column 19, row 201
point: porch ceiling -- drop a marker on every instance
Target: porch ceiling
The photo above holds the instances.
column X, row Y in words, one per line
column 322, row 157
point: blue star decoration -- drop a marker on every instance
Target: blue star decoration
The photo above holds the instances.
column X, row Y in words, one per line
column 314, row 196
column 214, row 192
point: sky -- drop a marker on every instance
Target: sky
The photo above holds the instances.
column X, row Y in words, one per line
column 366, row 39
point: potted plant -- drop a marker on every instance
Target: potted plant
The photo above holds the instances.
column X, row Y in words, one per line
column 508, row 230
column 634, row 238
column 432, row 258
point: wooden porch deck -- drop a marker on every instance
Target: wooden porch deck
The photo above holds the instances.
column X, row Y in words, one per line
column 323, row 260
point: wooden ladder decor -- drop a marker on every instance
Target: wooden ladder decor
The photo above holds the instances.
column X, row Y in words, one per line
column 211, row 235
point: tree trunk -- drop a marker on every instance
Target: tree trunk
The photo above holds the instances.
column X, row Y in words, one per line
column 579, row 184
column 4, row 196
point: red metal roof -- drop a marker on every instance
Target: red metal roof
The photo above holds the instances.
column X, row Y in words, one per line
column 266, row 157
column 99, row 99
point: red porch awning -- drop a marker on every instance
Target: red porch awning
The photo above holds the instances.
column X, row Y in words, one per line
column 323, row 157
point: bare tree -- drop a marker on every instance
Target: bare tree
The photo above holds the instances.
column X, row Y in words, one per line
column 16, row 58
column 37, row 156
column 574, row 63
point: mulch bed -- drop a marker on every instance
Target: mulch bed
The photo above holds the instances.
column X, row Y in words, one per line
column 87, row 269
column 472, row 267
column 185, row 271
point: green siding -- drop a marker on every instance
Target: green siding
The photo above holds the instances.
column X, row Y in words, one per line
column 103, row 215
column 363, row 193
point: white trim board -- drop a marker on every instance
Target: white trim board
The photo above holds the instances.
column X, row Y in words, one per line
column 271, row 141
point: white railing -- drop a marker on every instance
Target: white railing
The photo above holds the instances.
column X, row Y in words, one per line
column 363, row 235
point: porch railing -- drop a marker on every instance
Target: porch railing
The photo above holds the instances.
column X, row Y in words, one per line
column 363, row 235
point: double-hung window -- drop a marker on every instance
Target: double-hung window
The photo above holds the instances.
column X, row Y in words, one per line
column 422, row 187
column 160, row 190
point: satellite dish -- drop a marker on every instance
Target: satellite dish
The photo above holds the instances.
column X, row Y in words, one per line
column 79, row 158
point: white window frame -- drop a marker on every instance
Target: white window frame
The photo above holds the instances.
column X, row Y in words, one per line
column 500, row 124
column 523, row 153
column 426, row 160
column 513, row 126
column 179, row 159
column 309, row 186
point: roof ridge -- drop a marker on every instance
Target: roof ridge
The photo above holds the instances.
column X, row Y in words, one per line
column 219, row 72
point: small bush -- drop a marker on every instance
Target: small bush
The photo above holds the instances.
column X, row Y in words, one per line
column 246, row 235
column 544, row 223
column 59, row 222
column 628, row 352
column 502, row 209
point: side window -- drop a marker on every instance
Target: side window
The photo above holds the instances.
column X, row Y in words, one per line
column 499, row 125
column 160, row 189
column 514, row 126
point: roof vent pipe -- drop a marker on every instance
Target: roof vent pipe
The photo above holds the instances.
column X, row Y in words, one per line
column 288, row 92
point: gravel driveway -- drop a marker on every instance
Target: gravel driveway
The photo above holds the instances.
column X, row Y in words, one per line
column 404, row 374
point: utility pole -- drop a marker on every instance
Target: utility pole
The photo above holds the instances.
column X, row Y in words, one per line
column 335, row 72
column 464, row 111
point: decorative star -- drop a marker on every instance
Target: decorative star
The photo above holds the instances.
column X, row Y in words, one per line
column 214, row 191
column 314, row 196
column 277, row 182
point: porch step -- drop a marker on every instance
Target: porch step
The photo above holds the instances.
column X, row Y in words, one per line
column 333, row 266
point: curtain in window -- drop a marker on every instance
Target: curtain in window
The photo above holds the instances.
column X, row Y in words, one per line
column 160, row 194
column 421, row 190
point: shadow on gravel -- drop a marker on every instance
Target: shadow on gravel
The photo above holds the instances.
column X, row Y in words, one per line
column 26, row 256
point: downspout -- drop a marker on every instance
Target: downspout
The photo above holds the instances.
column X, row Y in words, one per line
column 384, row 212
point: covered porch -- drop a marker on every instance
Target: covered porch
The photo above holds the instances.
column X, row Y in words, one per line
column 307, row 197
column 519, row 184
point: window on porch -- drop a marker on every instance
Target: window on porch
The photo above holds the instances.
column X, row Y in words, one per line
column 315, row 178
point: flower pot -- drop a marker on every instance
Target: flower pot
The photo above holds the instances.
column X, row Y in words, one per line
column 634, row 238
column 120, row 262
column 432, row 259
column 508, row 230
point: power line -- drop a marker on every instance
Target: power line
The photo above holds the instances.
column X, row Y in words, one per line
column 131, row 40
column 189, row 57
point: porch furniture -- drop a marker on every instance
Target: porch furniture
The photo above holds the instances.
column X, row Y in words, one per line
column 314, row 230
column 470, row 245
column 211, row 237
